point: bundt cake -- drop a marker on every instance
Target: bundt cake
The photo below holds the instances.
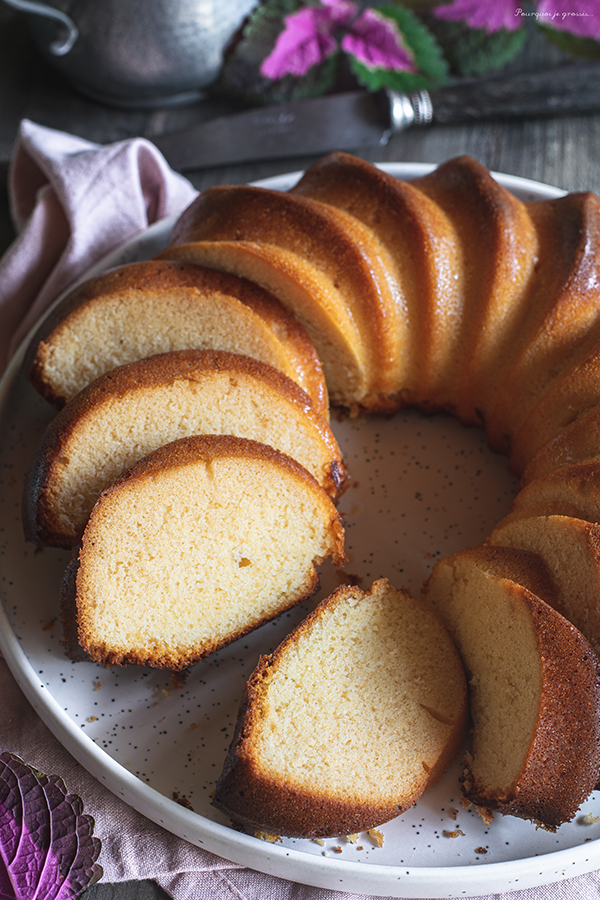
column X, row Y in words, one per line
column 134, row 409
column 534, row 685
column 481, row 318
column 570, row 548
column 447, row 293
column 357, row 712
column 151, row 307
column 199, row 543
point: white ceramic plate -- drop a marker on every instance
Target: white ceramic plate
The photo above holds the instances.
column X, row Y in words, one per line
column 424, row 488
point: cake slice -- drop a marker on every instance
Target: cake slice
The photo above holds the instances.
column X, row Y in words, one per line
column 357, row 712
column 134, row 409
column 151, row 307
column 578, row 442
column 534, row 684
column 199, row 543
column 570, row 548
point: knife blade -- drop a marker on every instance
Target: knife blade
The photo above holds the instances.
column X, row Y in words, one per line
column 356, row 119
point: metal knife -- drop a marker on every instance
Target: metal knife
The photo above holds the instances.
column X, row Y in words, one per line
column 357, row 119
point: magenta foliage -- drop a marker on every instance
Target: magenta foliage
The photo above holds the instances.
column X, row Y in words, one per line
column 578, row 17
column 377, row 42
column 305, row 41
column 489, row 15
column 47, row 848
column 310, row 36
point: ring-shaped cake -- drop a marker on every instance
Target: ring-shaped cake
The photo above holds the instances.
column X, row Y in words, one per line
column 448, row 293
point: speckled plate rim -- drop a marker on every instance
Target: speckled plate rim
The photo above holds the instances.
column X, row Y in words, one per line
column 242, row 849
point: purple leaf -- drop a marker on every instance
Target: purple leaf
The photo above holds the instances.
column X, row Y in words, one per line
column 47, row 848
column 579, row 17
column 489, row 15
column 377, row 42
column 305, row 41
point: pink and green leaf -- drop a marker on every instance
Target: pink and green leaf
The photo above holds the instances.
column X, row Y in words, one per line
column 376, row 41
column 305, row 41
column 429, row 68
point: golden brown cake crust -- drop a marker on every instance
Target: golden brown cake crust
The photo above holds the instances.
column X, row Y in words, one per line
column 555, row 761
column 494, row 278
column 554, row 783
column 579, row 442
column 522, row 566
column 561, row 310
column 47, row 473
column 246, row 793
column 335, row 245
column 572, row 490
column 422, row 245
column 132, row 282
column 206, row 450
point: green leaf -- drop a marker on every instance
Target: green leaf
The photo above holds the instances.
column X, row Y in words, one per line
column 428, row 57
column 472, row 51
column 585, row 48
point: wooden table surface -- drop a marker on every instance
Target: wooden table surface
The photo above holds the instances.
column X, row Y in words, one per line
column 564, row 152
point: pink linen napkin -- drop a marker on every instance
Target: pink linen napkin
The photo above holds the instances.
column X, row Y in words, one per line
column 72, row 203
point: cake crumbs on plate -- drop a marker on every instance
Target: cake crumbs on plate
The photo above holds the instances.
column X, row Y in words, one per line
column 486, row 814
column 453, row 813
column 352, row 838
column 480, row 850
column 457, row 832
column 182, row 800
column 589, row 819
column 268, row 837
column 376, row 836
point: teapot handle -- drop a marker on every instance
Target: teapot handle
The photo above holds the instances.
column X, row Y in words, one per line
column 57, row 47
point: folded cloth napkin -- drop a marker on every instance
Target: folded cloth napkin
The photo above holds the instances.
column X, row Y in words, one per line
column 73, row 202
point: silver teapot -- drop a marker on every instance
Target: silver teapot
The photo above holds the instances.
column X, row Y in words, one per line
column 136, row 53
